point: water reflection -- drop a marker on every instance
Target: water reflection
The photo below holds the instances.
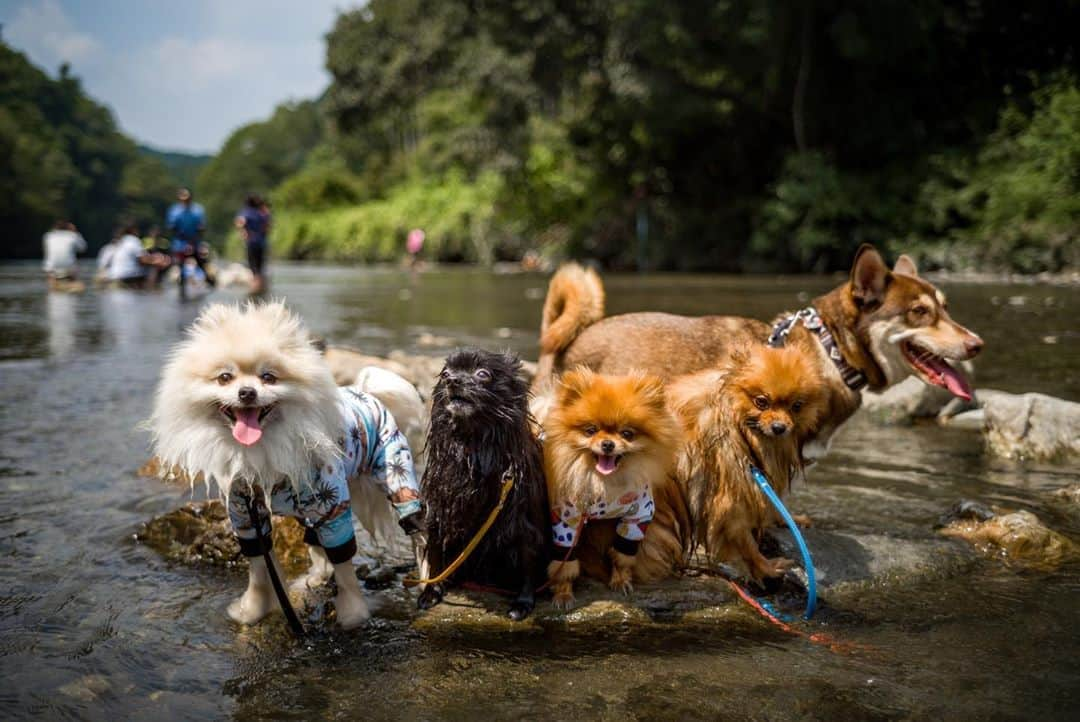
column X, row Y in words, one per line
column 61, row 309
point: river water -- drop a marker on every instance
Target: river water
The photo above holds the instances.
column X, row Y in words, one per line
column 95, row 625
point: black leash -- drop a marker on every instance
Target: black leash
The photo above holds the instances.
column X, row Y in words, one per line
column 295, row 625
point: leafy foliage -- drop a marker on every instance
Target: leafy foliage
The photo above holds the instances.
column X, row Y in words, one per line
column 256, row 158
column 62, row 156
column 718, row 134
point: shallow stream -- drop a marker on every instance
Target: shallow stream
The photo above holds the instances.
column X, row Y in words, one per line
column 95, row 625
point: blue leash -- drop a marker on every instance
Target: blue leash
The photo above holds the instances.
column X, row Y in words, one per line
column 808, row 563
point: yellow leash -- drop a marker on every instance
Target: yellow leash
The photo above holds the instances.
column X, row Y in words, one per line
column 508, row 484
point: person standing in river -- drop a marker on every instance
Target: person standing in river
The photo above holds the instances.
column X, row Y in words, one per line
column 186, row 220
column 61, row 246
column 253, row 221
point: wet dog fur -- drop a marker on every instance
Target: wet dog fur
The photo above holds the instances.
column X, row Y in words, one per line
column 480, row 430
column 757, row 409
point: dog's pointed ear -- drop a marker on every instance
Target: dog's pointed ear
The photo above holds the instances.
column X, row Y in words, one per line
column 574, row 383
column 869, row 277
column 905, row 265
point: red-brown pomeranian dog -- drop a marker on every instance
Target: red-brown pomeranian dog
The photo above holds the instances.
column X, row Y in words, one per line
column 608, row 452
column 757, row 409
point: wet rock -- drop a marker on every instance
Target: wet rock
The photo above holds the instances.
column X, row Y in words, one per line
column 596, row 608
column 1069, row 494
column 1019, row 537
column 974, row 420
column 198, row 534
column 845, row 565
column 966, row 510
column 843, row 560
column 1032, row 426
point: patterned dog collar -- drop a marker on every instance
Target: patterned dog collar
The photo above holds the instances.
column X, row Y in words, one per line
column 854, row 379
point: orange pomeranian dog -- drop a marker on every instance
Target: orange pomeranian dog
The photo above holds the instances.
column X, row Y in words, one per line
column 757, row 409
column 609, row 448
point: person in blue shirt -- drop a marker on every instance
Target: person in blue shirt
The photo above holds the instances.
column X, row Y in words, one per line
column 186, row 220
column 253, row 220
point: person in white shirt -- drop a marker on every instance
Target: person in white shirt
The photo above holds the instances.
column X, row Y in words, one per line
column 129, row 260
column 104, row 257
column 61, row 246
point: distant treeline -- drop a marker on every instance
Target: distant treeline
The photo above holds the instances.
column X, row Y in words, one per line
column 731, row 135
column 62, row 157
column 726, row 135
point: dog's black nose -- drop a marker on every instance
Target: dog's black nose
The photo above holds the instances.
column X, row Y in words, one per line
column 247, row 394
column 778, row 428
column 607, row 446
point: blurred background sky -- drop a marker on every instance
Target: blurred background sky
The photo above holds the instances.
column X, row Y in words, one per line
column 180, row 75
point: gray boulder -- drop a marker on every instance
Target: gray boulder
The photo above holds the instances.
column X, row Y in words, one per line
column 1032, row 426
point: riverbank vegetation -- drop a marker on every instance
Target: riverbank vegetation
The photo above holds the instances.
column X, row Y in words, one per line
column 62, row 156
column 712, row 134
column 735, row 135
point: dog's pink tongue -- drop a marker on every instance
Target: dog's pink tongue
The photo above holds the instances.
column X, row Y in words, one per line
column 952, row 379
column 956, row 383
column 246, row 430
column 605, row 464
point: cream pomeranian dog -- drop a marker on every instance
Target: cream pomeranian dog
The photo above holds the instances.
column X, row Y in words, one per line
column 247, row 401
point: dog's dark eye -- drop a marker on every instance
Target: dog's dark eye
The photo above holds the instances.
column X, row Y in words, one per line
column 920, row 310
column 483, row 374
column 797, row 406
column 761, row 402
column 589, row 430
column 627, row 434
column 268, row 378
column 224, row 378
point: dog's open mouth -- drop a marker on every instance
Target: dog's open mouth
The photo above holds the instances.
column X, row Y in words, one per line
column 936, row 370
column 607, row 463
column 246, row 421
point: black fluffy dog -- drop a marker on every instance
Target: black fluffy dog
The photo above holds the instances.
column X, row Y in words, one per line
column 480, row 430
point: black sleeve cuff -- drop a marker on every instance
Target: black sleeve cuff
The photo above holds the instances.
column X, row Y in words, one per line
column 628, row 547
column 413, row 523
column 311, row 537
column 564, row 554
column 343, row 552
column 252, row 548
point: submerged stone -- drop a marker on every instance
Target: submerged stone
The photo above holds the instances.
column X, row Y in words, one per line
column 1019, row 537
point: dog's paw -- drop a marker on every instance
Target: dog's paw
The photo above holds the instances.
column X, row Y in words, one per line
column 352, row 610
column 251, row 607
column 622, row 580
column 563, row 597
column 771, row 569
column 803, row 521
column 520, row 609
column 432, row 595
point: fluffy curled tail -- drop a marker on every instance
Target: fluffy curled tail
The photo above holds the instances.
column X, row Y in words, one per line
column 575, row 300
